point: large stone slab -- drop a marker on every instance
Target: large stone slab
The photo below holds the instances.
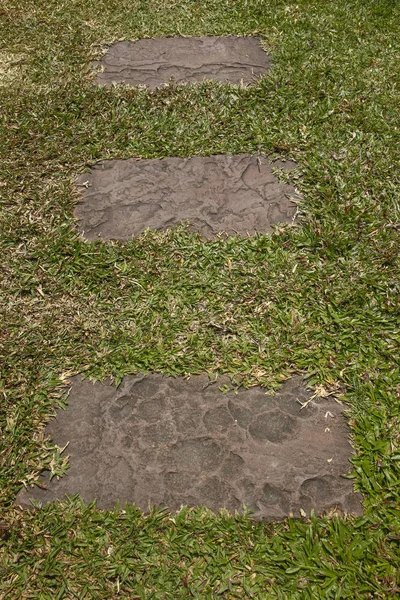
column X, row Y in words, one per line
column 154, row 62
column 232, row 194
column 167, row 442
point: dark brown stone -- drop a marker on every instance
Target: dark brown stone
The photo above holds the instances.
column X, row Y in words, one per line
column 166, row 442
column 231, row 194
column 273, row 426
column 272, row 496
column 154, row 62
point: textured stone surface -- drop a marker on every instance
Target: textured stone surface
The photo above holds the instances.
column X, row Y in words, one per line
column 154, row 62
column 233, row 194
column 167, row 442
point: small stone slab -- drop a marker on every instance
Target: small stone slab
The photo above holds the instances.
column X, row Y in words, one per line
column 170, row 442
column 232, row 194
column 154, row 62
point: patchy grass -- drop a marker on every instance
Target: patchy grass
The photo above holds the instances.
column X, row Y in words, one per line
column 320, row 298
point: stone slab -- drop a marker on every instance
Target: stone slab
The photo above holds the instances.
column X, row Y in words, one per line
column 154, row 62
column 170, row 442
column 232, row 194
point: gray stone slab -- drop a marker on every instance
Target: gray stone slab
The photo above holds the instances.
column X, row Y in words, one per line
column 170, row 442
column 154, row 62
column 232, row 194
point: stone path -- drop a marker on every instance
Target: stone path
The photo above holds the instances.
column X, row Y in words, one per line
column 164, row 441
column 154, row 62
column 234, row 194
column 167, row 442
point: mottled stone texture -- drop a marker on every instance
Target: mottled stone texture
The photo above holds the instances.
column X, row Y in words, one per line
column 167, row 442
column 154, row 62
column 232, row 194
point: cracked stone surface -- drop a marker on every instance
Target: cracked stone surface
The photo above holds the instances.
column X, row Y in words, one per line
column 154, row 62
column 170, row 442
column 223, row 193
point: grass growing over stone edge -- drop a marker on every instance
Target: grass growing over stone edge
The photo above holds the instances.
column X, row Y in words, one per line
column 319, row 298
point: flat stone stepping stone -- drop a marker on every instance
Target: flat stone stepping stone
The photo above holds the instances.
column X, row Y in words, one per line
column 170, row 442
column 154, row 62
column 232, row 194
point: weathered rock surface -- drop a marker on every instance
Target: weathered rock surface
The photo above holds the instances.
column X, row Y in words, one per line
column 232, row 194
column 154, row 62
column 166, row 442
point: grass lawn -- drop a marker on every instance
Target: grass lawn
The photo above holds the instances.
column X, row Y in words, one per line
column 321, row 298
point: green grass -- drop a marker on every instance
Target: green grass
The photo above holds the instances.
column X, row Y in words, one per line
column 320, row 298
